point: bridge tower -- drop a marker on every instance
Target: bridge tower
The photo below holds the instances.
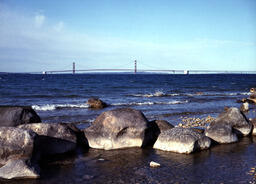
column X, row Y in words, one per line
column 74, row 67
column 135, row 67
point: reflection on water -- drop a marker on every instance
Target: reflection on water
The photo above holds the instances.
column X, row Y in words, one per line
column 228, row 163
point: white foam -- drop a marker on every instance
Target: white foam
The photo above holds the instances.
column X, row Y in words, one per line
column 46, row 107
column 51, row 107
column 155, row 94
column 152, row 103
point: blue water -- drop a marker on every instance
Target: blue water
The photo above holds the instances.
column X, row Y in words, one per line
column 62, row 98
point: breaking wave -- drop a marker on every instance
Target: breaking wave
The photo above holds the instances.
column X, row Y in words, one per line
column 51, row 107
column 152, row 103
column 156, row 94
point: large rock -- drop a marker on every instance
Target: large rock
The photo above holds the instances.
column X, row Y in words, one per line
column 15, row 143
column 253, row 121
column 96, row 103
column 181, row 140
column 221, row 133
column 227, row 125
column 15, row 115
column 54, row 138
column 18, row 169
column 119, row 128
column 163, row 125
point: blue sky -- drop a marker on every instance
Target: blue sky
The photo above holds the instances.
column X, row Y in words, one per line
column 198, row 34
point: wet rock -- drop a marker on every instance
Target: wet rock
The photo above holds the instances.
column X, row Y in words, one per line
column 253, row 121
column 253, row 90
column 119, row 128
column 15, row 143
column 227, row 125
column 96, row 103
column 54, row 138
column 15, row 115
column 181, row 140
column 244, row 107
column 18, row 169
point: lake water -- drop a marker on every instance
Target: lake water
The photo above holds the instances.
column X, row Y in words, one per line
column 62, row 98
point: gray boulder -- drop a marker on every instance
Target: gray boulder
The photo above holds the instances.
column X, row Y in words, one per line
column 119, row 128
column 181, row 140
column 17, row 115
column 221, row 133
column 253, row 121
column 163, row 125
column 53, row 138
column 18, row 169
column 15, row 143
column 227, row 125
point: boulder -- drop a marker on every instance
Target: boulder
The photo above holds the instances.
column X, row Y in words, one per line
column 96, row 103
column 17, row 115
column 232, row 117
column 163, row 125
column 15, row 143
column 253, row 121
column 181, row 140
column 120, row 128
column 221, row 133
column 244, row 107
column 253, row 90
column 18, row 169
column 53, row 138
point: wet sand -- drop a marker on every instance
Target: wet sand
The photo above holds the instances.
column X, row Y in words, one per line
column 229, row 163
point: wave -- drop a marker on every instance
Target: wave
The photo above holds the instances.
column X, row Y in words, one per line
column 156, row 94
column 217, row 94
column 51, row 107
column 151, row 103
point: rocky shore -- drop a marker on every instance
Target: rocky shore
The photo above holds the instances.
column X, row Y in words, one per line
column 26, row 142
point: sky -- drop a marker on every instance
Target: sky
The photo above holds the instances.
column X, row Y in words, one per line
column 45, row 35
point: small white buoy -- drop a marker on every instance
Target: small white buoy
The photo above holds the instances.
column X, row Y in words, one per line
column 154, row 164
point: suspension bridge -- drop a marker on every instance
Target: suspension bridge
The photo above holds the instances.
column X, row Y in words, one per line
column 135, row 70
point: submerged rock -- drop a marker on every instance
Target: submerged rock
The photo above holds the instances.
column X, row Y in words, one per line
column 18, row 169
column 54, row 138
column 181, row 140
column 96, row 103
column 17, row 115
column 228, row 125
column 119, row 128
column 15, row 143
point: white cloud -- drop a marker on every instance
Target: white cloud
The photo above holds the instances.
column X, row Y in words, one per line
column 39, row 20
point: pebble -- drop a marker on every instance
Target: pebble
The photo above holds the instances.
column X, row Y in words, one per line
column 154, row 164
